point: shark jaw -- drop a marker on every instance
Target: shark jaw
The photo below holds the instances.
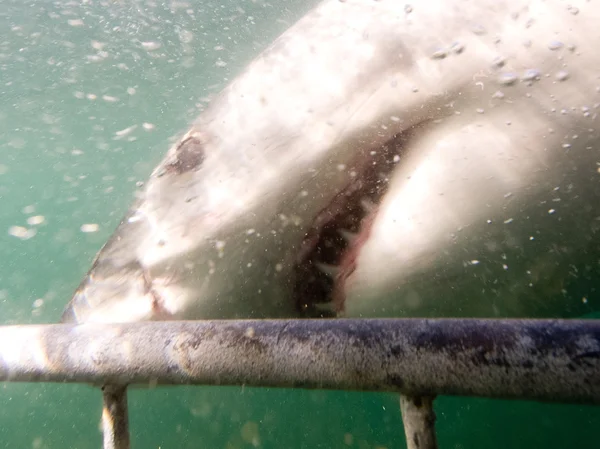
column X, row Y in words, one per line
column 407, row 148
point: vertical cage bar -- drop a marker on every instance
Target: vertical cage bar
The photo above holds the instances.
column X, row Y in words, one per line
column 419, row 422
column 115, row 422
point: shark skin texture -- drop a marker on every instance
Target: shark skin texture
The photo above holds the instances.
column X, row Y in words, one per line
column 377, row 160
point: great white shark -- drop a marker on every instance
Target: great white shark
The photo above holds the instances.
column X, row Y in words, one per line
column 380, row 158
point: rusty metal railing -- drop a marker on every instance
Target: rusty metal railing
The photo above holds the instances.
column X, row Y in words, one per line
column 545, row 360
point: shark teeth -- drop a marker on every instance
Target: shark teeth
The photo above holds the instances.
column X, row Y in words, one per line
column 330, row 270
column 348, row 236
column 368, row 205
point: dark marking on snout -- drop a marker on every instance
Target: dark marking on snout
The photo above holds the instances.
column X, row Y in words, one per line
column 189, row 156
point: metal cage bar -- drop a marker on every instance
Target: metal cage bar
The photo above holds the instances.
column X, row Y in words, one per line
column 545, row 360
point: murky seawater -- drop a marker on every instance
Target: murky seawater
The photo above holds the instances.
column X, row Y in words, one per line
column 92, row 93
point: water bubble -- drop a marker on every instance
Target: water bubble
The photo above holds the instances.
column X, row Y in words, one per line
column 562, row 75
column 507, row 78
column 439, row 53
column 532, row 75
column 457, row 47
column 478, row 30
column 555, row 45
column 498, row 62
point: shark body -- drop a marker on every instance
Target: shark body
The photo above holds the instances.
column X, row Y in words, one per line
column 435, row 159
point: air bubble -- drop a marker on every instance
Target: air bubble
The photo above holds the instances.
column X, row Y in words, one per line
column 563, row 75
column 498, row 62
column 440, row 53
column 507, row 78
column 532, row 75
column 555, row 45
column 457, row 48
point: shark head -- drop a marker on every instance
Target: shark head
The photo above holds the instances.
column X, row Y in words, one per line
column 383, row 160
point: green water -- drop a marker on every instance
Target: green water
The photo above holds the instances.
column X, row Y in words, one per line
column 74, row 76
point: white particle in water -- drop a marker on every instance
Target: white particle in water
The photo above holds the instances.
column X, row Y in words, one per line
column 36, row 220
column 125, row 131
column 220, row 245
column 551, row 211
column 21, row 232
column 89, row 227
column 150, row 45
column 148, row 126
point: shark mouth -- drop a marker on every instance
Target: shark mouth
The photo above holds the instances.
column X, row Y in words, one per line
column 330, row 247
